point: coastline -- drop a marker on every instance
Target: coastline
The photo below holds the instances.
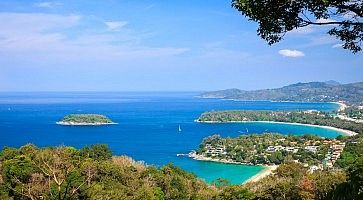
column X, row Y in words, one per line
column 267, row 100
column 83, row 124
column 194, row 156
column 343, row 131
column 342, row 105
column 268, row 170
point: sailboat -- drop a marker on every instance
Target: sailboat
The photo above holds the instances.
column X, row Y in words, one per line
column 179, row 128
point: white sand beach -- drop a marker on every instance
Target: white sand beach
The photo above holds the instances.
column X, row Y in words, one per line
column 343, row 131
column 83, row 124
column 342, row 105
column 264, row 173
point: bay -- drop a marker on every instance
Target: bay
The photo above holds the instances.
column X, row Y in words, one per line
column 148, row 125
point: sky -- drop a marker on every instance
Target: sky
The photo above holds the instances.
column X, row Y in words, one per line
column 127, row 45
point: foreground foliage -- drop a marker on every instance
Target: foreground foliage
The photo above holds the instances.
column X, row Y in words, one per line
column 291, row 181
column 275, row 18
column 92, row 173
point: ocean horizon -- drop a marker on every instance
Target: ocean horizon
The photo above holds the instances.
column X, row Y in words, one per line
column 147, row 128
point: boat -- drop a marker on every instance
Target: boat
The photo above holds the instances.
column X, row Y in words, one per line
column 179, row 128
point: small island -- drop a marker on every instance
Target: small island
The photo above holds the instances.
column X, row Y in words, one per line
column 85, row 120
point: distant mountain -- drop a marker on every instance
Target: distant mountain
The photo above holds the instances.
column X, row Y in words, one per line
column 328, row 91
column 331, row 82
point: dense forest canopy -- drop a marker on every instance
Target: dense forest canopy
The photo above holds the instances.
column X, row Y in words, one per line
column 92, row 173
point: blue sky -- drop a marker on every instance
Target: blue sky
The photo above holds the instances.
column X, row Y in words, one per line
column 127, row 45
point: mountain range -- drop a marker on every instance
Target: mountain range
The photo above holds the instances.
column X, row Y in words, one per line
column 329, row 91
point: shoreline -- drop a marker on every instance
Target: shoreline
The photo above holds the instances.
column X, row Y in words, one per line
column 342, row 105
column 194, row 156
column 343, row 131
column 83, row 124
column 274, row 101
column 268, row 170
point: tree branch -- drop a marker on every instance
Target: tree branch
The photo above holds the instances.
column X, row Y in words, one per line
column 331, row 23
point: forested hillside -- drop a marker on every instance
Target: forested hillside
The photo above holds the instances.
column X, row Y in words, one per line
column 304, row 92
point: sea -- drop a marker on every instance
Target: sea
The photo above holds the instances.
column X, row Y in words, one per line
column 148, row 125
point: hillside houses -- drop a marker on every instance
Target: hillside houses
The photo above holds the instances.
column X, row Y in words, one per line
column 312, row 151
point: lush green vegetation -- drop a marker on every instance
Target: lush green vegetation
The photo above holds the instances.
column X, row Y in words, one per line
column 303, row 92
column 269, row 149
column 353, row 112
column 352, row 152
column 294, row 182
column 304, row 117
column 86, row 119
column 92, row 173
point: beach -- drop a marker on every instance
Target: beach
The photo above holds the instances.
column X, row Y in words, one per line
column 268, row 169
column 264, row 173
column 194, row 156
column 342, row 106
column 83, row 124
column 342, row 131
column 148, row 131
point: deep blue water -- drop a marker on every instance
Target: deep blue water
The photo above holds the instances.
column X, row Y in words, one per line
column 147, row 129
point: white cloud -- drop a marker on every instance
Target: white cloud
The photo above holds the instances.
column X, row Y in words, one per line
column 337, row 45
column 47, row 4
column 115, row 25
column 291, row 53
column 31, row 36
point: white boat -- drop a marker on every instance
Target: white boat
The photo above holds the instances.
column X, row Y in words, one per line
column 179, row 128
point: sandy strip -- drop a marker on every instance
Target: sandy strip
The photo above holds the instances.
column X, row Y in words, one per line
column 342, row 106
column 262, row 174
column 83, row 124
column 342, row 131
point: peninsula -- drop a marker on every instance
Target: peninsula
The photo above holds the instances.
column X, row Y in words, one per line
column 85, row 120
column 271, row 149
column 312, row 152
column 309, row 118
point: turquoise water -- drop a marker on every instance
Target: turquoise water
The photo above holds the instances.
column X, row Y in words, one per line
column 147, row 129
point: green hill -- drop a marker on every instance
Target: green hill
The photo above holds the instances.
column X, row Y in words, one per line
column 85, row 119
column 329, row 91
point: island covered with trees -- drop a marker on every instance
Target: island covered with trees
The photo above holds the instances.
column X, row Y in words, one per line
column 309, row 117
column 85, row 120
